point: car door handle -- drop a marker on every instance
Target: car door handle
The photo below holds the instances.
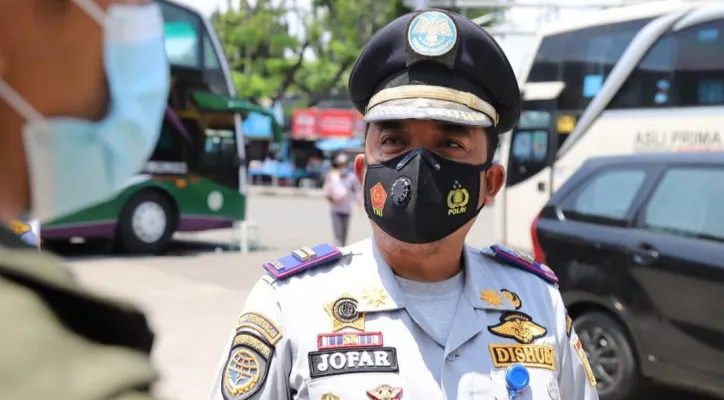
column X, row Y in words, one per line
column 645, row 254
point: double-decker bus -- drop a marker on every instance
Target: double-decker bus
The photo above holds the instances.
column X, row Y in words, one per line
column 195, row 179
column 644, row 78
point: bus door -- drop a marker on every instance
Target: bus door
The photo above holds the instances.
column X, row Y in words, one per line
column 220, row 158
column 221, row 139
column 533, row 145
column 214, row 152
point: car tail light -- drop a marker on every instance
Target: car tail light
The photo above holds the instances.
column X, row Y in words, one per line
column 537, row 250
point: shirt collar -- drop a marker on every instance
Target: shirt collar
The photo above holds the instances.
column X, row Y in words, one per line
column 380, row 291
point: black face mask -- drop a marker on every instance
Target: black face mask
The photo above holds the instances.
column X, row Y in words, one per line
column 420, row 197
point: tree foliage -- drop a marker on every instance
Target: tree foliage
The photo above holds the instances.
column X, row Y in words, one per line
column 277, row 48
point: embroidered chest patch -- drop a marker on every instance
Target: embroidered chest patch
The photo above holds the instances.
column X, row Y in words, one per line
column 345, row 361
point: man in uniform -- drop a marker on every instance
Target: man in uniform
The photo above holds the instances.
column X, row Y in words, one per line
column 83, row 85
column 415, row 313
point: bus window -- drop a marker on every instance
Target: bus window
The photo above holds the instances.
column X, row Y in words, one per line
column 683, row 69
column 582, row 59
column 529, row 150
column 649, row 84
column 531, row 146
column 699, row 77
column 169, row 146
column 213, row 72
column 523, row 146
column 181, row 30
column 211, row 59
column 540, row 145
column 530, row 119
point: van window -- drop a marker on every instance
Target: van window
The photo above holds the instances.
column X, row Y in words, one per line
column 684, row 68
column 688, row 202
column 608, row 194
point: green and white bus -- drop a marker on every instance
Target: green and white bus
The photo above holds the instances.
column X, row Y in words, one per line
column 195, row 179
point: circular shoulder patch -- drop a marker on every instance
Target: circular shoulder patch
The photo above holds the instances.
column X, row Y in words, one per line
column 432, row 34
column 244, row 373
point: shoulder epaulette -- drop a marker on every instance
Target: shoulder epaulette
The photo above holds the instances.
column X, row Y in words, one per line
column 19, row 228
column 521, row 260
column 302, row 260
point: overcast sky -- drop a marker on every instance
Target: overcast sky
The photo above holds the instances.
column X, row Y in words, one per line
column 516, row 47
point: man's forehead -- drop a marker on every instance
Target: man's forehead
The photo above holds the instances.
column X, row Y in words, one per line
column 428, row 124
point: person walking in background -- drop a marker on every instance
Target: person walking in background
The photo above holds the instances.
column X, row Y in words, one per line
column 342, row 189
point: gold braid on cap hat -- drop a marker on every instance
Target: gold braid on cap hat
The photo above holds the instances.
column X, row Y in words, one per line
column 434, row 93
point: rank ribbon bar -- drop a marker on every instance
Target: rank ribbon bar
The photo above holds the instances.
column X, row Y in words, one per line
column 349, row 339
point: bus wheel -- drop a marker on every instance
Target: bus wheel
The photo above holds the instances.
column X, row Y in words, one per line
column 147, row 223
column 610, row 355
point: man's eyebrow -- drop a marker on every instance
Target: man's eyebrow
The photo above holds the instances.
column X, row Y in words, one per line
column 454, row 129
column 390, row 125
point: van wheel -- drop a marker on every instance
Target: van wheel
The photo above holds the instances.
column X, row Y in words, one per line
column 146, row 224
column 610, row 354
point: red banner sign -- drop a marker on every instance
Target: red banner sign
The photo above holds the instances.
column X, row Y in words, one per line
column 304, row 123
column 313, row 124
column 336, row 123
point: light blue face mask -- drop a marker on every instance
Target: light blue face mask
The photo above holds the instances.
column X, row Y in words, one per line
column 74, row 163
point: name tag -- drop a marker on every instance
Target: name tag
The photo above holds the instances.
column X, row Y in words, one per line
column 338, row 361
column 530, row 355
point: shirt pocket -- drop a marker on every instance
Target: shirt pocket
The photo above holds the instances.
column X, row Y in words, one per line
column 358, row 386
column 543, row 385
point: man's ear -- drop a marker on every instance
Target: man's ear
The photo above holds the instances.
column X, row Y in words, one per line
column 360, row 168
column 494, row 181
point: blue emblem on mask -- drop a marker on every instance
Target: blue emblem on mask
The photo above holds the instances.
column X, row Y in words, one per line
column 432, row 34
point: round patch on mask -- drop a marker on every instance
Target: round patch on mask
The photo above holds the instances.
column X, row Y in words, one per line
column 432, row 34
column 400, row 191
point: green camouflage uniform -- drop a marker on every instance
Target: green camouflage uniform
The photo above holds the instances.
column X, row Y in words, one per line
column 60, row 341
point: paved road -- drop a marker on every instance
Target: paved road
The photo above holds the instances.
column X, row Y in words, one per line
column 194, row 294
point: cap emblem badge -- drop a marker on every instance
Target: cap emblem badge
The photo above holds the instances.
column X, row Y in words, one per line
column 432, row 34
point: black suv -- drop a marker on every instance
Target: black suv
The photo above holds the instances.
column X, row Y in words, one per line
column 638, row 244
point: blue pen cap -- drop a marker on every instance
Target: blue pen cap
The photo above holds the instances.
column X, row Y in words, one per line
column 517, row 377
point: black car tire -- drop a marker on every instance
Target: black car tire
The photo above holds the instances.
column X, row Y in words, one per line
column 627, row 379
column 128, row 239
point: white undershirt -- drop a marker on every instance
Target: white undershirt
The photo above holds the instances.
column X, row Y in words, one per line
column 436, row 302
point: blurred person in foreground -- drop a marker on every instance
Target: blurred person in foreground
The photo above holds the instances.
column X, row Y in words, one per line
column 342, row 190
column 414, row 312
column 83, row 86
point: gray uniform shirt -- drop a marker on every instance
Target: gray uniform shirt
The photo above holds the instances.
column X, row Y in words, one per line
column 344, row 331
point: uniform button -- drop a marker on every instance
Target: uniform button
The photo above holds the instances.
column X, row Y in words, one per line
column 451, row 357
